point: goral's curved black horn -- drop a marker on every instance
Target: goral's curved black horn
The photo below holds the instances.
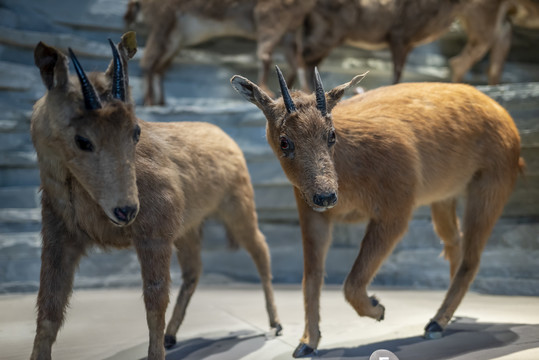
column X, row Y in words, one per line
column 288, row 103
column 118, row 81
column 91, row 100
column 320, row 94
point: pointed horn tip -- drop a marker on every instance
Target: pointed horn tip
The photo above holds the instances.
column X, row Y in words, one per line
column 111, row 43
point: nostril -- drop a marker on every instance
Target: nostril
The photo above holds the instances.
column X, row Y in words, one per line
column 332, row 199
column 126, row 213
column 325, row 199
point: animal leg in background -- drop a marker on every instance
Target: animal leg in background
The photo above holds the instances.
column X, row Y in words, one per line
column 399, row 52
column 498, row 53
column 482, row 22
column 293, row 51
column 161, row 47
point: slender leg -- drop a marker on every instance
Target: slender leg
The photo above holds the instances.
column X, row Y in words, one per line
column 487, row 196
column 266, row 43
column 188, row 253
column 316, row 234
column 498, row 53
column 482, row 20
column 399, row 53
column 294, row 56
column 380, row 238
column 290, row 45
column 60, row 256
column 239, row 216
column 154, row 258
column 163, row 43
column 446, row 224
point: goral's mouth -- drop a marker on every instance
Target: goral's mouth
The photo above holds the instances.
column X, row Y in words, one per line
column 117, row 224
column 321, row 209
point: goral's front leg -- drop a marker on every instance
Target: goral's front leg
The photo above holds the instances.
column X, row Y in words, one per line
column 316, row 234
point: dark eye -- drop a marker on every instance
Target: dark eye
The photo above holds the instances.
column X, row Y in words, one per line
column 286, row 145
column 331, row 138
column 84, row 144
column 136, row 134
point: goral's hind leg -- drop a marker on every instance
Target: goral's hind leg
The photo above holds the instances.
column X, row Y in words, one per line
column 239, row 217
column 487, row 194
column 446, row 225
column 188, row 253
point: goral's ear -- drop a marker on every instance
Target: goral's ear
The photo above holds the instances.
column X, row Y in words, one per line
column 334, row 95
column 127, row 48
column 52, row 65
column 252, row 93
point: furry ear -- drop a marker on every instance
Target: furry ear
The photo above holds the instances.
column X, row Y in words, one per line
column 52, row 65
column 254, row 94
column 127, row 48
column 334, row 95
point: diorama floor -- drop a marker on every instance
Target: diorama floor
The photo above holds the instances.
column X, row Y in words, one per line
column 228, row 321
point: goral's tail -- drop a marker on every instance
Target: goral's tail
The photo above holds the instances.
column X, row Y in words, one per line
column 521, row 166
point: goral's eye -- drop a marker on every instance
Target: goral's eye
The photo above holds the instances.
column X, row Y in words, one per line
column 136, row 134
column 331, row 138
column 84, row 144
column 286, row 145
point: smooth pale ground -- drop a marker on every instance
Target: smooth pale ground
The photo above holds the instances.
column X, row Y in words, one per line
column 228, row 321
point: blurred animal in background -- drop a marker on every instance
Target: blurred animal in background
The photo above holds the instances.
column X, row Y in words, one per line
column 401, row 25
column 375, row 157
column 111, row 180
column 524, row 13
column 175, row 24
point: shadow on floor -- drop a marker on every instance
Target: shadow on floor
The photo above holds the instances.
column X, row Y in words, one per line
column 232, row 346
column 463, row 339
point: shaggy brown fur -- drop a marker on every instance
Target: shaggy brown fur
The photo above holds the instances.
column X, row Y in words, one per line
column 175, row 24
column 397, row 148
column 176, row 176
column 402, row 25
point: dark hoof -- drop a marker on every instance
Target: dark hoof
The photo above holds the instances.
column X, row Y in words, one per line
column 303, row 350
column 375, row 302
column 278, row 329
column 170, row 341
column 433, row 331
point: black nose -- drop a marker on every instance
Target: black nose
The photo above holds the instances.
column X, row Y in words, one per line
column 325, row 199
column 125, row 214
